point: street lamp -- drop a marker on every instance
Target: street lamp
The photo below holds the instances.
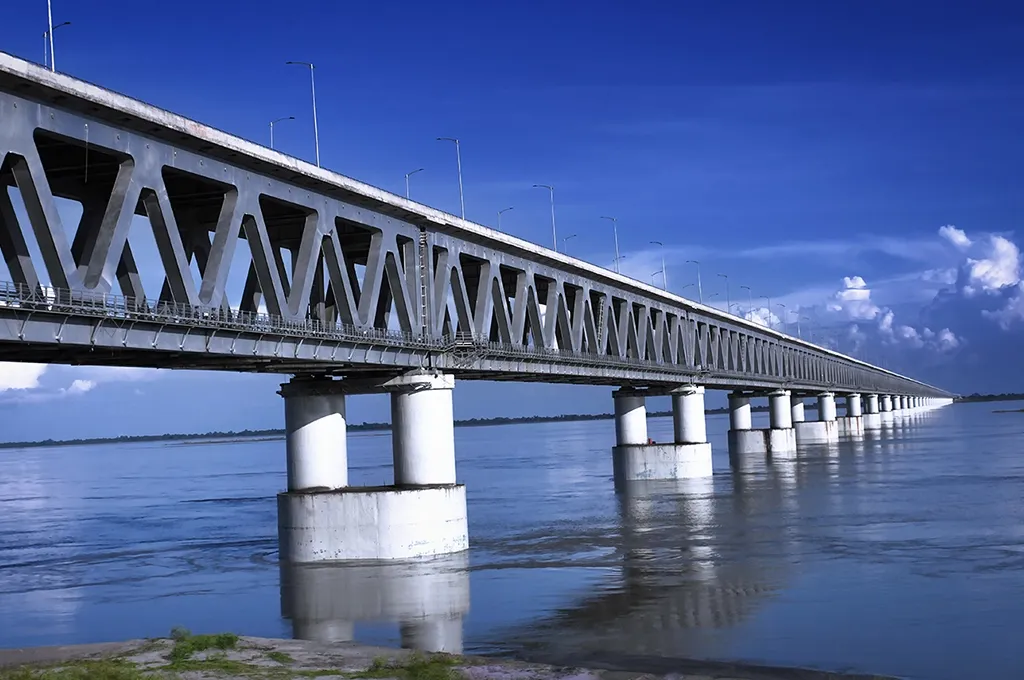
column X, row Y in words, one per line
column 312, row 87
column 728, row 299
column 275, row 122
column 769, row 319
column 407, row 176
column 653, row 275
column 499, row 215
column 48, row 41
column 798, row 318
column 565, row 240
column 615, row 232
column 783, row 317
column 750, row 299
column 700, row 290
column 664, row 272
column 458, row 161
column 551, row 191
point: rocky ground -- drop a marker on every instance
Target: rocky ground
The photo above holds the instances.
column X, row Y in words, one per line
column 229, row 657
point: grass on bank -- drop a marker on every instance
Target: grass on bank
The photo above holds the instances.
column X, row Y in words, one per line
column 181, row 659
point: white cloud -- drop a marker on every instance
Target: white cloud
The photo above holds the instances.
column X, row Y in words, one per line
column 853, row 301
column 955, row 236
column 14, row 376
column 80, row 387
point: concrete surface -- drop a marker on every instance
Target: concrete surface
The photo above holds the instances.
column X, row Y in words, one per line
column 381, row 523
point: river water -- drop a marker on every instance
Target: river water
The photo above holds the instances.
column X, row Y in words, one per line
column 902, row 554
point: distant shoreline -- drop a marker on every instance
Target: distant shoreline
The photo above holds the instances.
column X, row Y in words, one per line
column 278, row 433
column 373, row 427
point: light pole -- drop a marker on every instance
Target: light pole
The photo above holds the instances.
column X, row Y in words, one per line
column 275, row 122
column 783, row 317
column 566, row 240
column 499, row 215
column 700, row 290
column 769, row 319
column 664, row 272
column 728, row 299
column 407, row 176
column 615, row 233
column 312, row 87
column 551, row 191
column 750, row 299
column 458, row 161
column 48, row 41
column 798, row 318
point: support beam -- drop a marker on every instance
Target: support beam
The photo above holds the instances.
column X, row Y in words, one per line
column 315, row 435
column 688, row 456
column 824, row 430
column 422, row 514
column 885, row 410
column 852, row 424
column 872, row 417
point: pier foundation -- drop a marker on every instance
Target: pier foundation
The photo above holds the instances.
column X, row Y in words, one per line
column 422, row 514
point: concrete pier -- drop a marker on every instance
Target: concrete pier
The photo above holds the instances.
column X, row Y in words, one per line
column 824, row 430
column 852, row 423
column 687, row 456
column 422, row 514
column 315, row 431
column 885, row 410
column 777, row 440
column 872, row 418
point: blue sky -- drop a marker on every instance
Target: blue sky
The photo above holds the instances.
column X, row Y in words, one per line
column 809, row 150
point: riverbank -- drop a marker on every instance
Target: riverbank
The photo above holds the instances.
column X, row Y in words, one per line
column 230, row 657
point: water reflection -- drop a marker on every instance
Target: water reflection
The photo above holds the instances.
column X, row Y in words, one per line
column 427, row 598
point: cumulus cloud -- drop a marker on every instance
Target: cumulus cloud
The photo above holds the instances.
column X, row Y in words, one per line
column 853, row 300
column 15, row 376
column 958, row 237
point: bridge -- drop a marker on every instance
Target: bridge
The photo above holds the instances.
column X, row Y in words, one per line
column 351, row 290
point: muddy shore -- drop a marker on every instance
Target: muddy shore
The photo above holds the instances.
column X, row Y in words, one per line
column 229, row 657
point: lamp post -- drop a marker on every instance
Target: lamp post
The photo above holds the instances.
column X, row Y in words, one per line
column 750, row 299
column 782, row 318
column 615, row 233
column 458, row 161
column 407, row 176
column 664, row 272
column 700, row 290
column 312, row 87
column 798, row 318
column 551, row 192
column 48, row 42
column 565, row 241
column 499, row 215
column 728, row 299
column 769, row 319
column 275, row 122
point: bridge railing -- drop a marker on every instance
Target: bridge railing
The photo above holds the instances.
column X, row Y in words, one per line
column 464, row 350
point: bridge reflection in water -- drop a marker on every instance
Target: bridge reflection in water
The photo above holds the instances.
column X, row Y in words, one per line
column 692, row 559
column 427, row 598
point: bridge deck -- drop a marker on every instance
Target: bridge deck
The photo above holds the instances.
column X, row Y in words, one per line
column 351, row 278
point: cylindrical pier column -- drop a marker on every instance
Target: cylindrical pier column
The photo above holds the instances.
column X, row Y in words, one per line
column 826, row 406
column 630, row 417
column 798, row 411
column 885, row 404
column 315, row 435
column 853, row 406
column 739, row 411
column 423, row 432
column 872, row 403
column 688, row 416
column 779, row 410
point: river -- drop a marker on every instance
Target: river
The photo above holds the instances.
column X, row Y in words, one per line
column 900, row 554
